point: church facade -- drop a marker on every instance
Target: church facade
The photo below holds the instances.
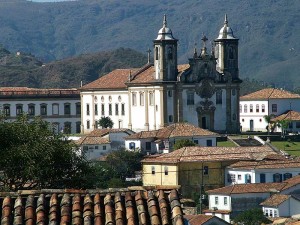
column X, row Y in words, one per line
column 204, row 92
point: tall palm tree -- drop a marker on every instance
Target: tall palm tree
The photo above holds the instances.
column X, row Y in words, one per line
column 268, row 119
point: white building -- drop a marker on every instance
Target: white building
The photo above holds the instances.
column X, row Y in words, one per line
column 263, row 171
column 254, row 106
column 280, row 205
column 229, row 201
column 204, row 92
column 60, row 107
column 162, row 140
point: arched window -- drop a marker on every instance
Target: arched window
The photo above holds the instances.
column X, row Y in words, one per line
column 245, row 109
column 263, row 108
column 277, row 177
column 141, row 98
column 7, row 110
column 257, row 108
column 251, row 108
column 287, row 176
column 31, row 109
column 19, row 109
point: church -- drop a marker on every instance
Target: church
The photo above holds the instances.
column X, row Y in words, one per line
column 204, row 92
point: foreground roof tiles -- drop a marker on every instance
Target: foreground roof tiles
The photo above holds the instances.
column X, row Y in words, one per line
column 121, row 207
column 275, row 200
column 269, row 93
column 196, row 153
column 289, row 115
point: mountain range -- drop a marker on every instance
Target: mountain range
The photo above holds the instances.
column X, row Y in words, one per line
column 268, row 31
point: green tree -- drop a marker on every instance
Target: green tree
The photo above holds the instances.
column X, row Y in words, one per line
column 183, row 143
column 251, row 217
column 106, row 122
column 32, row 156
column 283, row 124
column 268, row 119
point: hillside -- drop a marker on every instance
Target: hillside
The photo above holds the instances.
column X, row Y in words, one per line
column 268, row 30
column 26, row 70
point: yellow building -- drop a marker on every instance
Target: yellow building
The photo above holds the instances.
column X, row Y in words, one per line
column 195, row 167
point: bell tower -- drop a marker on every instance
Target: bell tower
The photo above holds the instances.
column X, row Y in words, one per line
column 165, row 54
column 226, row 51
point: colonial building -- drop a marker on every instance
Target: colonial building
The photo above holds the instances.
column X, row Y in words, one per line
column 60, row 107
column 204, row 92
column 269, row 101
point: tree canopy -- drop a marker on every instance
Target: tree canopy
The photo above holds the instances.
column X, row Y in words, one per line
column 183, row 143
column 253, row 216
column 106, row 122
column 32, row 156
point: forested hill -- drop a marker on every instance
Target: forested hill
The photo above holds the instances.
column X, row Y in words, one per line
column 25, row 70
column 268, row 30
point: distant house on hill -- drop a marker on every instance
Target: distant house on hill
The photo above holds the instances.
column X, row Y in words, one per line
column 102, row 141
column 256, row 105
column 60, row 107
column 163, row 140
column 196, row 167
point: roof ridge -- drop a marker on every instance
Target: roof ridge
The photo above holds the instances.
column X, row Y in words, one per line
column 271, row 93
column 142, row 69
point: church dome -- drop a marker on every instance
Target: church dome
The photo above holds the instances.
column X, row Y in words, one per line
column 226, row 32
column 165, row 33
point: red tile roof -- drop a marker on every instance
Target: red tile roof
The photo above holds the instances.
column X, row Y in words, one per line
column 269, row 93
column 103, row 132
column 275, row 200
column 173, row 130
column 289, row 115
column 201, row 219
column 209, row 154
column 113, row 206
column 92, row 141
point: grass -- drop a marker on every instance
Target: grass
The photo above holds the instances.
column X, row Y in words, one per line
column 225, row 144
column 291, row 147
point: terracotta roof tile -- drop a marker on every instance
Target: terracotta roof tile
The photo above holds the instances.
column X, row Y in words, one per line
column 124, row 206
column 17, row 91
column 196, row 153
column 269, row 93
column 289, row 115
column 92, row 141
column 275, row 200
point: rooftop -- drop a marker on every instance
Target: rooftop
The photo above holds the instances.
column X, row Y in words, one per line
column 275, row 200
column 130, row 206
column 288, row 115
column 269, row 93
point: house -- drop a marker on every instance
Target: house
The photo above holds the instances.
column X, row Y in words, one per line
column 273, row 169
column 293, row 118
column 229, row 201
column 102, row 141
column 203, row 220
column 268, row 101
column 204, row 92
column 196, row 168
column 60, row 107
column 163, row 140
column 135, row 205
column 280, row 205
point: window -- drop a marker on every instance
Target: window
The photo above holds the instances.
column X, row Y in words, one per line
column 19, row 109
column 205, row 170
column 291, row 125
column 251, row 108
column 287, row 176
column 67, row 108
column 297, row 124
column 247, row 178
column 170, row 93
column 166, row 170
column 96, row 124
column 190, row 98
column 31, row 109
column 156, row 53
column 225, row 201
column 132, row 145
column 96, row 109
column 257, row 108
column 142, row 98
column 233, row 92
column 216, row 200
column 275, row 213
column 274, row 108
column 88, row 124
column 263, row 108
column 262, row 177
column 102, row 110
column 87, row 109
column 133, row 98
column 233, row 116
column 208, row 143
column 78, row 108
column 123, row 109
column 104, row 147
column 151, row 98
column 239, row 176
column 271, row 213
column 241, row 108
column 117, row 109
column 196, row 142
column 231, row 178
column 7, row 110
column 170, row 118
column 277, row 177
column 245, row 108
column 78, row 127
column 96, row 147
column 67, row 127
column 110, row 109
column 148, row 146
column 219, row 97
column 153, row 169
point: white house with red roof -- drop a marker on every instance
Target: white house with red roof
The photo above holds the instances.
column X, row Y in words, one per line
column 204, row 92
column 256, row 105
column 229, row 201
column 162, row 140
column 60, row 107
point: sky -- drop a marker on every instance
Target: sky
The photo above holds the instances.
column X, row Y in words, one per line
column 49, row 0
